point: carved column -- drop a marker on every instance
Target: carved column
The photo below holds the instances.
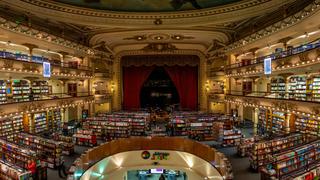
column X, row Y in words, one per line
column 31, row 47
column 255, row 116
column 64, row 54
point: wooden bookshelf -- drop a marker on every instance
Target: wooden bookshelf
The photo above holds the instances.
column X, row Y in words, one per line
column 3, row 93
column 298, row 88
column 179, row 127
column 15, row 154
column 39, row 89
column 278, row 87
column 201, row 131
column 85, row 138
column 20, row 90
column 307, row 125
column 9, row 127
column 262, row 149
column 283, row 164
column 40, row 122
column 50, row 150
column 245, row 146
column 13, row 172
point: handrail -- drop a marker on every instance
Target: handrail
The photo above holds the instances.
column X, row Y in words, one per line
column 285, row 95
column 278, row 55
column 94, row 155
column 54, row 62
column 53, row 96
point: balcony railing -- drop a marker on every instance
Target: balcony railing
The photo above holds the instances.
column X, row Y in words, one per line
column 308, row 97
column 44, row 97
column 39, row 60
column 278, row 55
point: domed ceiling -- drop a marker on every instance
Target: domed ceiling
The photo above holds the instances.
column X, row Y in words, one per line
column 148, row 5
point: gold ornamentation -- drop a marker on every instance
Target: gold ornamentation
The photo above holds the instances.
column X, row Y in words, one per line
column 8, row 63
column 160, row 47
column 304, row 57
column 30, row 66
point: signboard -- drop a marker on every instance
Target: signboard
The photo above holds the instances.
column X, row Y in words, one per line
column 46, row 69
column 157, row 171
column 267, row 66
column 155, row 156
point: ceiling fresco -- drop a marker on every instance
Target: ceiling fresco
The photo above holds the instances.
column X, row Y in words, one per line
column 148, row 5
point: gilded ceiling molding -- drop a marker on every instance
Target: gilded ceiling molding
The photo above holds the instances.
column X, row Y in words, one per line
column 163, row 15
column 40, row 35
column 104, row 18
column 279, row 26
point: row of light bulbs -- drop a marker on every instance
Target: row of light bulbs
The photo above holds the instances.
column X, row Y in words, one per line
column 40, row 73
column 273, row 28
column 46, row 109
column 44, row 36
column 296, row 65
column 272, row 108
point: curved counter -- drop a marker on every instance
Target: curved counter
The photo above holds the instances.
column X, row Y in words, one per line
column 87, row 161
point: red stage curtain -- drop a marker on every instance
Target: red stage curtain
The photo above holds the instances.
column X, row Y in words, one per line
column 185, row 78
column 133, row 79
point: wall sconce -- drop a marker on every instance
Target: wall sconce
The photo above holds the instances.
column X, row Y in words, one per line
column 112, row 87
column 207, row 86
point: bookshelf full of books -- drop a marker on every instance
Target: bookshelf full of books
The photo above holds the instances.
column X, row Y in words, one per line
column 39, row 89
column 9, row 127
column 298, row 87
column 261, row 150
column 201, row 131
column 290, row 163
column 50, row 150
column 308, row 125
column 40, row 123
column 278, row 87
column 3, row 93
column 314, row 86
column 20, row 90
column 85, row 137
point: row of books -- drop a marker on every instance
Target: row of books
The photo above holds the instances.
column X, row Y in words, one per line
column 50, row 150
column 261, row 150
column 289, row 163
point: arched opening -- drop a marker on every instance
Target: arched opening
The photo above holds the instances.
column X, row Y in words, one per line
column 158, row 90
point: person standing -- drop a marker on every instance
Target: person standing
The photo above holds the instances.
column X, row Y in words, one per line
column 162, row 177
column 32, row 167
column 62, row 170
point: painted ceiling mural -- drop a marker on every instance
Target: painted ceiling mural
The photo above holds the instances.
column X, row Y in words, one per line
column 148, row 5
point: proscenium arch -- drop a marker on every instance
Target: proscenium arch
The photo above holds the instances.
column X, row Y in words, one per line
column 117, row 98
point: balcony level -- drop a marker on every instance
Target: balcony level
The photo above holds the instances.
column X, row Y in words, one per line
column 291, row 59
column 285, row 101
column 44, row 102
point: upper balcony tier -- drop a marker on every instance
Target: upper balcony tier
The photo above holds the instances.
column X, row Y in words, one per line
column 299, row 57
column 31, row 68
column 44, row 102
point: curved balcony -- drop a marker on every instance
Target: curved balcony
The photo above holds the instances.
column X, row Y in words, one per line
column 35, row 68
column 293, row 96
column 38, row 102
column 286, row 101
column 285, row 61
column 213, row 72
column 217, row 161
column 275, row 56
column 40, row 60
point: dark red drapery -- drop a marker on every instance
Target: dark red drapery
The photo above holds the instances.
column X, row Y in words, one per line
column 133, row 79
column 185, row 78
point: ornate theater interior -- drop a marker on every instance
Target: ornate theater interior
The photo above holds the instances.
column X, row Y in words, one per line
column 160, row 90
